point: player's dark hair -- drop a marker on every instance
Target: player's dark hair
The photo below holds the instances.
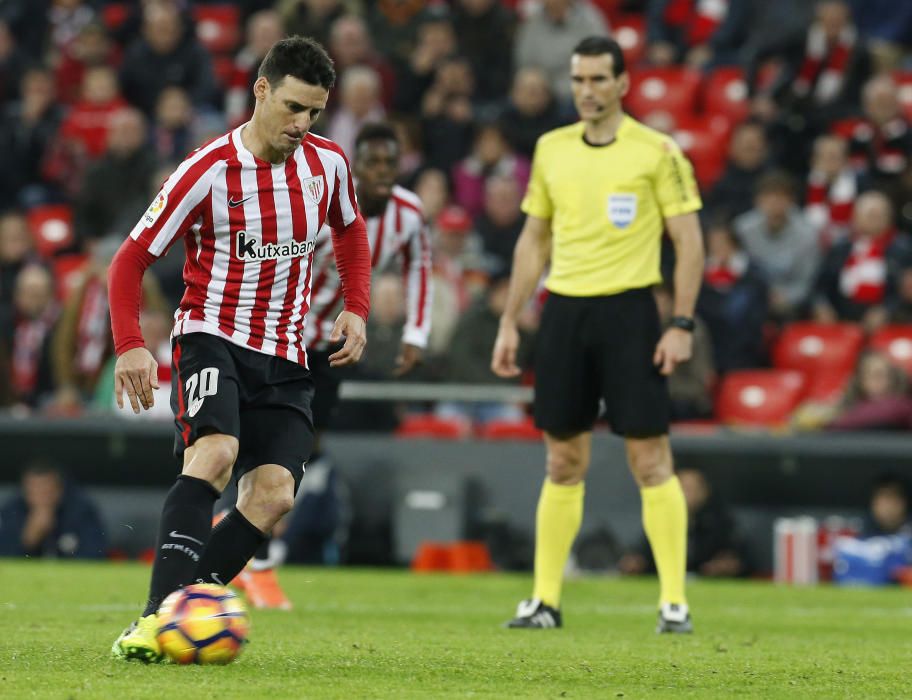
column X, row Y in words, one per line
column 376, row 131
column 598, row 45
column 301, row 58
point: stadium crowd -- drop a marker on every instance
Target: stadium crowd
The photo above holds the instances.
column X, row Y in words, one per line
column 795, row 113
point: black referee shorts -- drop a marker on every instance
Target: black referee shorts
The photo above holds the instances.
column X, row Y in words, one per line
column 600, row 348
column 263, row 401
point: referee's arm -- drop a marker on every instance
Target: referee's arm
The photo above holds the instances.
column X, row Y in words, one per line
column 529, row 259
column 676, row 345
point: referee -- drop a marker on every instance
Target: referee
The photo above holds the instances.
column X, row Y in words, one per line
column 600, row 194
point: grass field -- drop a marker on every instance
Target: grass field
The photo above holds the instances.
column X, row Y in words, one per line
column 390, row 634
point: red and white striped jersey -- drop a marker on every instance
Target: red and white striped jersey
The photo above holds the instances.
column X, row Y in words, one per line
column 249, row 227
column 400, row 235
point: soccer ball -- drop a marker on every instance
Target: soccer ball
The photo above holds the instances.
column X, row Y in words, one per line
column 202, row 624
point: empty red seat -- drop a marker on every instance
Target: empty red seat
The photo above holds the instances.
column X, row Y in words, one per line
column 427, row 425
column 630, row 32
column 705, row 142
column 896, row 342
column 523, row 429
column 218, row 27
column 762, row 397
column 825, row 352
column 673, row 91
column 903, row 80
column 51, row 226
column 725, row 94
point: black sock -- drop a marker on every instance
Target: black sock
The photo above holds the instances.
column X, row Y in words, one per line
column 262, row 552
column 234, row 540
column 186, row 523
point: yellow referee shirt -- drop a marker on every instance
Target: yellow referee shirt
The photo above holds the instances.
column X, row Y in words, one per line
column 607, row 205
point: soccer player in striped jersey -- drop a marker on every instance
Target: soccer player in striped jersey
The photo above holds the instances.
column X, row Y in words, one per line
column 398, row 236
column 249, row 206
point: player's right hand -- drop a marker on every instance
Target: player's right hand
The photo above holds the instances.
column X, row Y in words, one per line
column 136, row 371
column 503, row 361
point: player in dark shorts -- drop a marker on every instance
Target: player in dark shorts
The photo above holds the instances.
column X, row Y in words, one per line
column 249, row 206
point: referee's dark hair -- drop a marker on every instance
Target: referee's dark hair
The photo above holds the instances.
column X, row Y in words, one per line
column 376, row 131
column 301, row 58
column 598, row 45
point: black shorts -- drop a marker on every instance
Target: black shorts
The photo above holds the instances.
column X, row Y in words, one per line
column 263, row 401
column 600, row 348
column 326, row 387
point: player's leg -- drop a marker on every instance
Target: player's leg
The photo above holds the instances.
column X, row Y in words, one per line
column 665, row 523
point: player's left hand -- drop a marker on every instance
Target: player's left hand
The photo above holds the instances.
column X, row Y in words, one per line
column 675, row 347
column 351, row 327
column 409, row 357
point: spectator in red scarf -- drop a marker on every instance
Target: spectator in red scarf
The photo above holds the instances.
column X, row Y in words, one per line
column 859, row 278
column 92, row 47
column 26, row 338
column 877, row 397
column 700, row 32
column 831, row 190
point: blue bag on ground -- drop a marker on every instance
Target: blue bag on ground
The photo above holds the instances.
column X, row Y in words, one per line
column 871, row 561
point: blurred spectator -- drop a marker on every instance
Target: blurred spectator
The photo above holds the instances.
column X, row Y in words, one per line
column 66, row 19
column 748, row 159
column 501, row 219
column 701, row 33
column 819, row 80
column 888, row 512
column 881, row 143
column 50, row 517
column 82, row 340
column 548, row 34
column 350, row 45
column 491, row 156
column 359, row 103
column 902, row 310
column 263, row 30
column 311, row 18
column 433, row 190
column 416, row 73
column 690, row 385
column 411, row 158
column 15, row 249
column 877, row 397
column 385, row 324
column 177, row 129
column 26, row 336
column 28, row 21
column 395, row 25
column 12, row 64
column 91, row 48
column 531, row 110
column 27, row 127
column 831, row 190
column 166, row 54
column 126, row 168
column 733, row 302
column 714, row 547
column 778, row 238
column 447, row 114
column 485, row 29
column 859, row 278
column 887, row 25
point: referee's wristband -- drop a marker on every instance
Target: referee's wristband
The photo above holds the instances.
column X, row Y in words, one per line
column 685, row 323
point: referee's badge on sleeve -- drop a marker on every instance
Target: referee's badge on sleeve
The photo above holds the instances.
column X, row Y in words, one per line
column 622, row 208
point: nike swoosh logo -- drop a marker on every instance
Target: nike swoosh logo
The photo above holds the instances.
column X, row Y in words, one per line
column 195, row 407
column 215, row 577
column 237, row 202
column 175, row 533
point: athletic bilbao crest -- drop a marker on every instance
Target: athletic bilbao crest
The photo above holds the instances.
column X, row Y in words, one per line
column 622, row 209
column 313, row 188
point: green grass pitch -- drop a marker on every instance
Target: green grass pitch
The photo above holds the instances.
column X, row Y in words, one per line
column 391, row 634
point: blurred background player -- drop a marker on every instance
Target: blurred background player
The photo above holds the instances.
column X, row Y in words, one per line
column 599, row 194
column 398, row 236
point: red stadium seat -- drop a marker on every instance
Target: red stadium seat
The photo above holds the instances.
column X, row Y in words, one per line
column 672, row 90
column 896, row 342
column 725, row 94
column 705, row 141
column 218, row 27
column 630, row 32
column 904, row 84
column 825, row 352
column 68, row 273
column 762, row 397
column 425, row 425
column 115, row 14
column 523, row 429
column 52, row 228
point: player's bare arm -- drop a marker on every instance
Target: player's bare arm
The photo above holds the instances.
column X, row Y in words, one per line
column 351, row 327
column 136, row 372
column 676, row 344
column 532, row 252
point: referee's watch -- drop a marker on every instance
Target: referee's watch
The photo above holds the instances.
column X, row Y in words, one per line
column 685, row 323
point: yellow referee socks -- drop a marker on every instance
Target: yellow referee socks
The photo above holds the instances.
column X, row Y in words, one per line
column 665, row 522
column 557, row 522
